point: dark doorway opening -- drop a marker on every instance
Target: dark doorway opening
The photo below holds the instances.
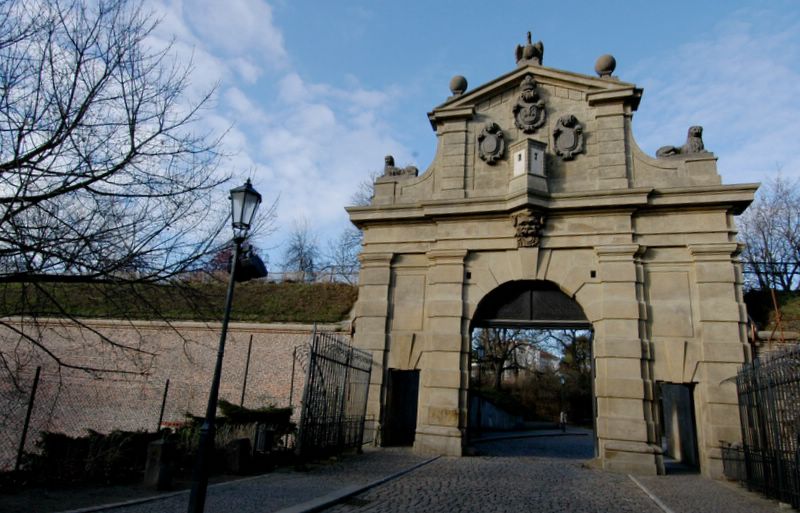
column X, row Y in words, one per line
column 400, row 416
column 678, row 427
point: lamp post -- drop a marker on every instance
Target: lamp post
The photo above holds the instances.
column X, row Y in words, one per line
column 244, row 203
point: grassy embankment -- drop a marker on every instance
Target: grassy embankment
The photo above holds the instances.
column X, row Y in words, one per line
column 255, row 301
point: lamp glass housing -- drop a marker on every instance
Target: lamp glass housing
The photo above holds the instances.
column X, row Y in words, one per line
column 244, row 203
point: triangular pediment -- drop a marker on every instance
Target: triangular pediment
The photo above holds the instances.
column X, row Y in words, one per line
column 537, row 132
column 543, row 75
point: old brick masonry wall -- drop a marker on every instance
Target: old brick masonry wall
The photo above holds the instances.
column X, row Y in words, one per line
column 73, row 400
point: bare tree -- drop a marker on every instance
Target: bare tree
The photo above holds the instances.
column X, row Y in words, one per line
column 770, row 229
column 105, row 176
column 302, row 253
column 342, row 254
column 365, row 190
column 505, row 349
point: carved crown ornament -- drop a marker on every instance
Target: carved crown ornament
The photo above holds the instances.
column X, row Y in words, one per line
column 529, row 224
column 529, row 111
column 568, row 137
column 491, row 143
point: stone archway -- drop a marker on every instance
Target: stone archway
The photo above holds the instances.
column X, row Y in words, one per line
column 537, row 176
column 529, row 303
column 520, row 333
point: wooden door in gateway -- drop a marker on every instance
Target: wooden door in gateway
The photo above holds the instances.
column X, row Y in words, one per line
column 400, row 416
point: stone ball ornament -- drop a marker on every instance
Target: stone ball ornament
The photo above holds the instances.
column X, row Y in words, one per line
column 458, row 85
column 605, row 65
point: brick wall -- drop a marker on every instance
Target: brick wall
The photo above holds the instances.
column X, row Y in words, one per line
column 146, row 354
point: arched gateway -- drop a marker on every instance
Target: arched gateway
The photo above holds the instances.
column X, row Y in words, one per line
column 537, row 179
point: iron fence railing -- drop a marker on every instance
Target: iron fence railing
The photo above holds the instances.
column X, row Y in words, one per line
column 768, row 461
column 335, row 397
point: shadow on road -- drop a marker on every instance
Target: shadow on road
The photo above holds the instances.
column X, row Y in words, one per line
column 573, row 445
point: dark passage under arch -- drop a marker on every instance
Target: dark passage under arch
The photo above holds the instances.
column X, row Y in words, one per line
column 529, row 303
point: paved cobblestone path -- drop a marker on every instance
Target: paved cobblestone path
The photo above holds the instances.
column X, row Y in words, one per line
column 545, row 475
column 538, row 474
column 511, row 476
column 285, row 488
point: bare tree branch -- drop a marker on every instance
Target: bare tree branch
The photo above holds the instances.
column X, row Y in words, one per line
column 770, row 229
column 106, row 176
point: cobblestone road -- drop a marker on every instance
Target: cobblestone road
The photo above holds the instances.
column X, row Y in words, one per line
column 278, row 490
column 543, row 474
column 511, row 476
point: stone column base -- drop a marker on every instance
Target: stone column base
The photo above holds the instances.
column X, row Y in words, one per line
column 445, row 441
column 632, row 458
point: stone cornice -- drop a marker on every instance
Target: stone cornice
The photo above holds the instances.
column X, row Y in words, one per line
column 715, row 252
column 737, row 197
column 618, row 252
column 447, row 256
column 439, row 116
column 375, row 259
column 621, row 94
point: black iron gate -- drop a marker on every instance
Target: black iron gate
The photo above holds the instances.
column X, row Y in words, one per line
column 335, row 397
column 768, row 460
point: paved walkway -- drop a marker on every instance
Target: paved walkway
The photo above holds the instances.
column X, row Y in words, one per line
column 543, row 474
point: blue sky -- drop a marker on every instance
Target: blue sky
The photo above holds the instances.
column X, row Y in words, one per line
column 314, row 94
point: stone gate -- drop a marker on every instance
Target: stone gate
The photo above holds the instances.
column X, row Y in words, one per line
column 537, row 177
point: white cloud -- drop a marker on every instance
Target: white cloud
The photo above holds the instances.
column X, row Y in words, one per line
column 309, row 143
column 243, row 107
column 246, row 69
column 237, row 27
column 323, row 141
column 740, row 83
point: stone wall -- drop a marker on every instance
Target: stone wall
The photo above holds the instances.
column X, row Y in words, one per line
column 73, row 400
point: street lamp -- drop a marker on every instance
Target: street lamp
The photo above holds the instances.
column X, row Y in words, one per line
column 244, row 203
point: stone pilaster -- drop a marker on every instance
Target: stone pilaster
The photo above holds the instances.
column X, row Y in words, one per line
column 371, row 315
column 622, row 355
column 613, row 112
column 722, row 317
column 441, row 401
column 455, row 146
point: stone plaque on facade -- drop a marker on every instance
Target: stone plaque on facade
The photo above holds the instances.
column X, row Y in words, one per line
column 491, row 143
column 529, row 111
column 568, row 137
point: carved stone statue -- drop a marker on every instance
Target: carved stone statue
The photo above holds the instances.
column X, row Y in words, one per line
column 389, row 168
column 529, row 225
column 694, row 144
column 529, row 111
column 530, row 53
column 568, row 137
column 491, row 143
